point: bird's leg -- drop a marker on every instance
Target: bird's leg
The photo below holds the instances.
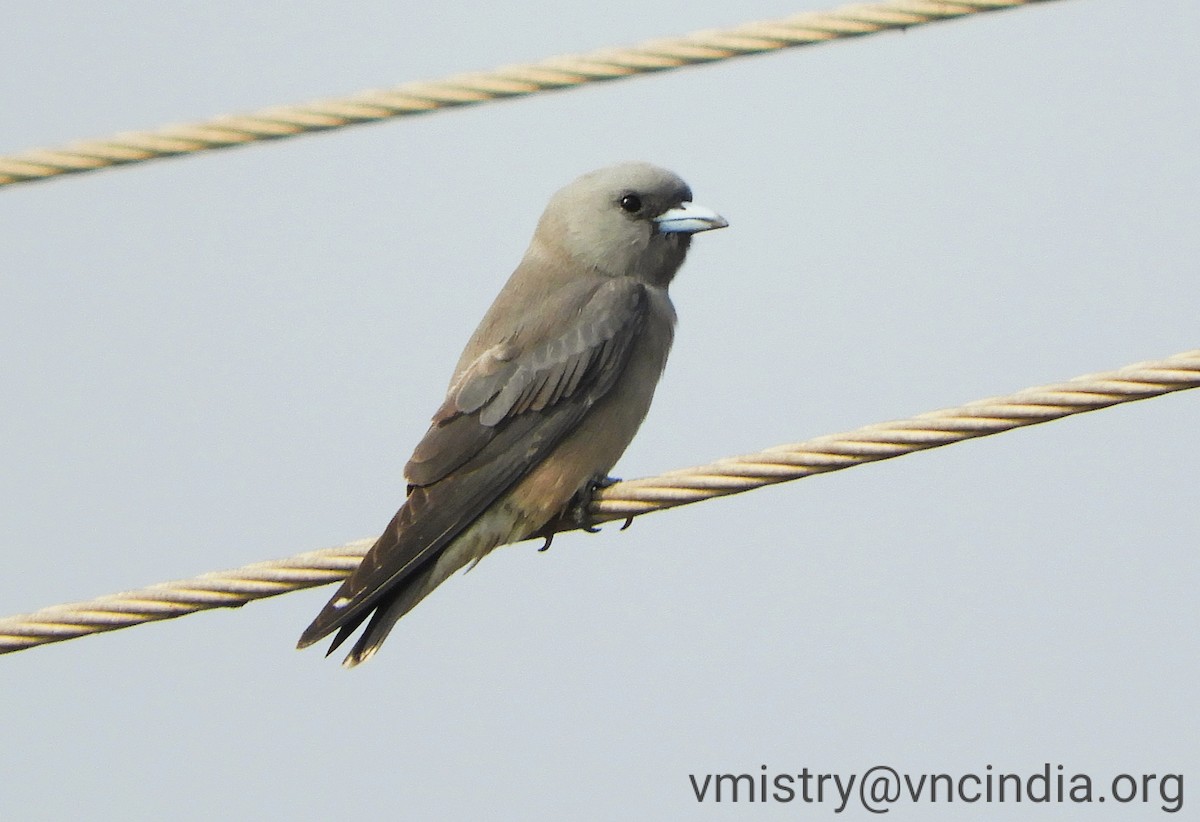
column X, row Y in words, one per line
column 578, row 512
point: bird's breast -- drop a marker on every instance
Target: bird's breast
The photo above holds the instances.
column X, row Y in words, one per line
column 594, row 447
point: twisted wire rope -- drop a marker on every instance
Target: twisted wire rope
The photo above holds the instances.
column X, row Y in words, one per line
column 421, row 97
column 732, row 475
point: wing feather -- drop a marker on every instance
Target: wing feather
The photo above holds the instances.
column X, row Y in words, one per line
column 505, row 413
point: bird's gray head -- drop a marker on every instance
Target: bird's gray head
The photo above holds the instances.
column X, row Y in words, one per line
column 629, row 220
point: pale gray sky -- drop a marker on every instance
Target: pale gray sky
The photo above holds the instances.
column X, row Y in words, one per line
column 222, row 359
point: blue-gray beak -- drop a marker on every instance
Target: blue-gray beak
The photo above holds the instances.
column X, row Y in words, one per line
column 689, row 218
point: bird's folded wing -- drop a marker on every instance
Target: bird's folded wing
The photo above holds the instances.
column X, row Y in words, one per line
column 505, row 413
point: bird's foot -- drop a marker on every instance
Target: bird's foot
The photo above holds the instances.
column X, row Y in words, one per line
column 577, row 512
column 579, row 508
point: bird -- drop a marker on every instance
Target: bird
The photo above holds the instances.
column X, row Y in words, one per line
column 546, row 396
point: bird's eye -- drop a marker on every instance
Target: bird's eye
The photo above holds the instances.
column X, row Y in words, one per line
column 631, row 203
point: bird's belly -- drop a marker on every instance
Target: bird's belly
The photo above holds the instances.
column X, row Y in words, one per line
column 593, row 448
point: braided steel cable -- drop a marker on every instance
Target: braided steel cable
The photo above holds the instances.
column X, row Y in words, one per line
column 560, row 72
column 627, row 499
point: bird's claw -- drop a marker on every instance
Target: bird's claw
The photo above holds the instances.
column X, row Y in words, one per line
column 578, row 513
column 578, row 510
